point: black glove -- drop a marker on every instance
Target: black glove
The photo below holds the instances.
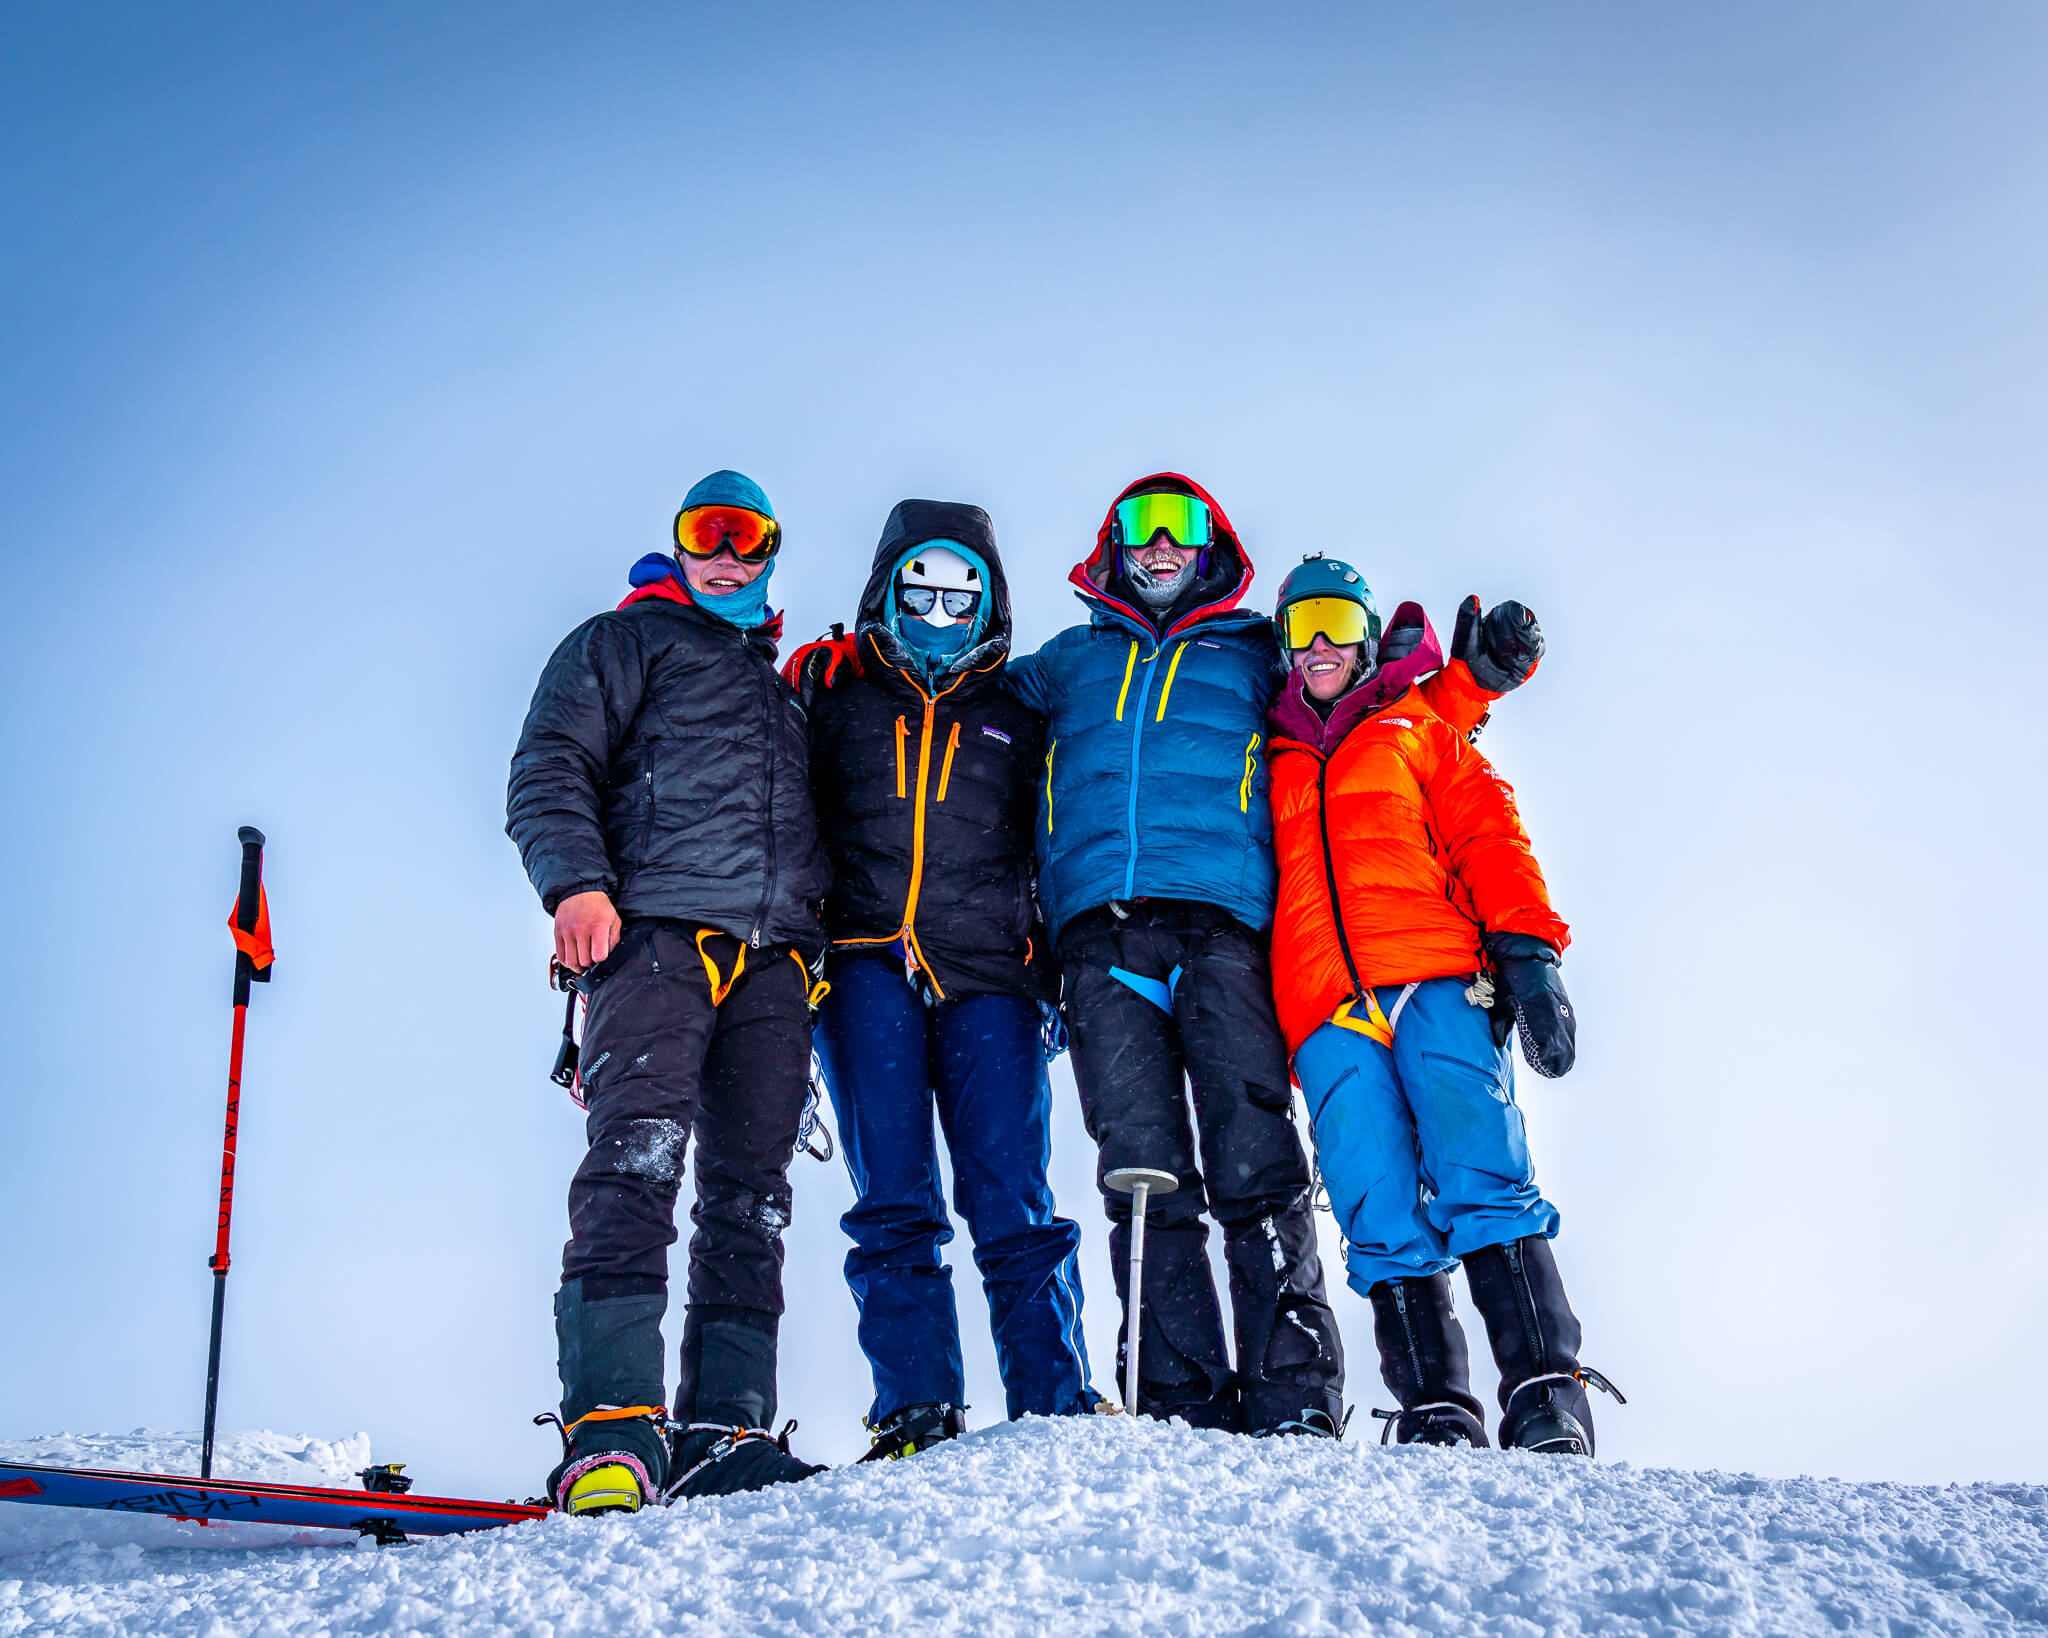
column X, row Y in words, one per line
column 1527, row 987
column 1502, row 649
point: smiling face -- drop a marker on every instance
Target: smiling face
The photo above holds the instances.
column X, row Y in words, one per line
column 721, row 574
column 1163, row 560
column 1327, row 668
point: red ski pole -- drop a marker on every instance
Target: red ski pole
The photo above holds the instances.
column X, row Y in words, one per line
column 250, row 924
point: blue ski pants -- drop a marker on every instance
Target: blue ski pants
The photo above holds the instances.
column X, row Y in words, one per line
column 1422, row 1149
column 889, row 1062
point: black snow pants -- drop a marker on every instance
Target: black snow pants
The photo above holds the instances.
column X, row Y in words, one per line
column 1179, row 995
column 675, row 1046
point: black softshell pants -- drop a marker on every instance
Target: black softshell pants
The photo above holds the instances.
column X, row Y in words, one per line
column 664, row 1063
column 1199, row 1018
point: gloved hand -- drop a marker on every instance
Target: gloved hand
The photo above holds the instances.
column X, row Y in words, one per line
column 1527, row 985
column 1501, row 650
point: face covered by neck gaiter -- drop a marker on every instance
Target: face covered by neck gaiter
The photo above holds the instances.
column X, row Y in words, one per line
column 745, row 608
column 938, row 566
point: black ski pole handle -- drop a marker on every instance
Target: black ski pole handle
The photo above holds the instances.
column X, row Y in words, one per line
column 247, row 902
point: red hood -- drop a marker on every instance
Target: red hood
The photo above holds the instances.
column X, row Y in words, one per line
column 674, row 591
column 1091, row 574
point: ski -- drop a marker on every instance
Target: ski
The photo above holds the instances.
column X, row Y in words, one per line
column 387, row 1516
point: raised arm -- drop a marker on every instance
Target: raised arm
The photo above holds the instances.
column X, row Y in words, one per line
column 1489, row 657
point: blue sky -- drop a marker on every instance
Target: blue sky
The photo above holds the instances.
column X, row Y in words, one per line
column 353, row 354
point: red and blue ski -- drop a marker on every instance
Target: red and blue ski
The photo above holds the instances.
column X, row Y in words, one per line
column 386, row 1515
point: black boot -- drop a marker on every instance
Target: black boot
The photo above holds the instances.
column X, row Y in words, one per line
column 1424, row 1361
column 1535, row 1337
column 915, row 1428
column 726, row 1401
column 609, row 1353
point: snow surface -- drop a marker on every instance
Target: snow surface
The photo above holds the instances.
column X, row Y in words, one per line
column 1084, row 1526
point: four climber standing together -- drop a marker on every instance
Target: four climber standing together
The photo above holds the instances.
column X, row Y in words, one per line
column 1220, row 854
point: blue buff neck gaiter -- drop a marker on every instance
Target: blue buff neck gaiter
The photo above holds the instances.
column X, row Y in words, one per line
column 745, row 608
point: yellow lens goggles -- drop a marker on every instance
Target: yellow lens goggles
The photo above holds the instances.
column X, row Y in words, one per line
column 1339, row 619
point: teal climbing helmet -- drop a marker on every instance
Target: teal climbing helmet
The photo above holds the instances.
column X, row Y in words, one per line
column 1327, row 596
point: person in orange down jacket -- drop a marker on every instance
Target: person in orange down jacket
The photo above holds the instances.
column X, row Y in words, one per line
column 1414, row 932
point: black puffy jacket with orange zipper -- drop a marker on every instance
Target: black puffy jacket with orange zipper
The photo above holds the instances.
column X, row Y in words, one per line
column 926, row 792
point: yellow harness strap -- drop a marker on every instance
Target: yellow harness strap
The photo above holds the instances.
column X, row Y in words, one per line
column 721, row 986
column 1374, row 1025
column 814, row 993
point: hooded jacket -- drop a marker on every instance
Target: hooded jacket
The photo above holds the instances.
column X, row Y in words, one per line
column 663, row 762
column 925, row 789
column 1399, row 846
column 1154, row 784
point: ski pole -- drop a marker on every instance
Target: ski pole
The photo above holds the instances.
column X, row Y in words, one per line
column 250, row 924
column 1140, row 1183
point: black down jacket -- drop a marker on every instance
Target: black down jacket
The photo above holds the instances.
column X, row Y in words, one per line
column 926, row 796
column 664, row 762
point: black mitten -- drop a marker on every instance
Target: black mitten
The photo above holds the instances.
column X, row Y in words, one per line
column 1527, row 979
column 1502, row 649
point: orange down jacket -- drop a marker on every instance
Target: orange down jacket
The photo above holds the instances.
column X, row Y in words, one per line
column 1398, row 844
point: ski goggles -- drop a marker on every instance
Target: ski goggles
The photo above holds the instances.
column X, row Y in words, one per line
column 919, row 600
column 1339, row 619
column 702, row 530
column 1186, row 520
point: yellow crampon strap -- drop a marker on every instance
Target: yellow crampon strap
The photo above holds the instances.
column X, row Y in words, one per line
column 1374, row 1025
column 721, row 986
column 813, row 993
column 616, row 1413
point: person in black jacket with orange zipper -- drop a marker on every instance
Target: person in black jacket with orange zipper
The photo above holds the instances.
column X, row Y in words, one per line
column 925, row 771
column 660, row 797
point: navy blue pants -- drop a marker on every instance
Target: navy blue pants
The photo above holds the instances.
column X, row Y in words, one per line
column 889, row 1060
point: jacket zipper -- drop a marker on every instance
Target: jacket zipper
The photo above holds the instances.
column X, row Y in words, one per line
column 946, row 769
column 1330, row 872
column 768, row 723
column 1054, row 746
column 1137, row 765
column 1251, row 772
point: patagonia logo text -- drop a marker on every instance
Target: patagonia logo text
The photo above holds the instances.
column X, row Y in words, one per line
column 995, row 733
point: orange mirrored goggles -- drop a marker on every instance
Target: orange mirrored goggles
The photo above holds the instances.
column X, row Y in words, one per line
column 702, row 530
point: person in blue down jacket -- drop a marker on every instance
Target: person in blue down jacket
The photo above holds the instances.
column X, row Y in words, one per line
column 1157, row 880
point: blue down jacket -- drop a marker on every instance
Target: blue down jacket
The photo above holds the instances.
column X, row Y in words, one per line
column 1155, row 770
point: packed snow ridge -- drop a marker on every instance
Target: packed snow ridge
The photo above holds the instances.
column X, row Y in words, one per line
column 1080, row 1526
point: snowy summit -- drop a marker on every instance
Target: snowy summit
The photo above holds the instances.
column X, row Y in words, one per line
column 1084, row 1526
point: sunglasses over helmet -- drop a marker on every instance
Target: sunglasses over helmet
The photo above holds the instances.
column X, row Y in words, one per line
column 938, row 586
column 1325, row 597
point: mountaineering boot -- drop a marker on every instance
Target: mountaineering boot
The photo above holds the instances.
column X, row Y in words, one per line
column 614, row 1440
column 915, row 1428
column 1535, row 1337
column 709, row 1460
column 1311, row 1422
column 1424, row 1360
column 725, row 1401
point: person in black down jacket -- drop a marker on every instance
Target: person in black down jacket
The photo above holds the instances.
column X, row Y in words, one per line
column 660, row 797
column 925, row 772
